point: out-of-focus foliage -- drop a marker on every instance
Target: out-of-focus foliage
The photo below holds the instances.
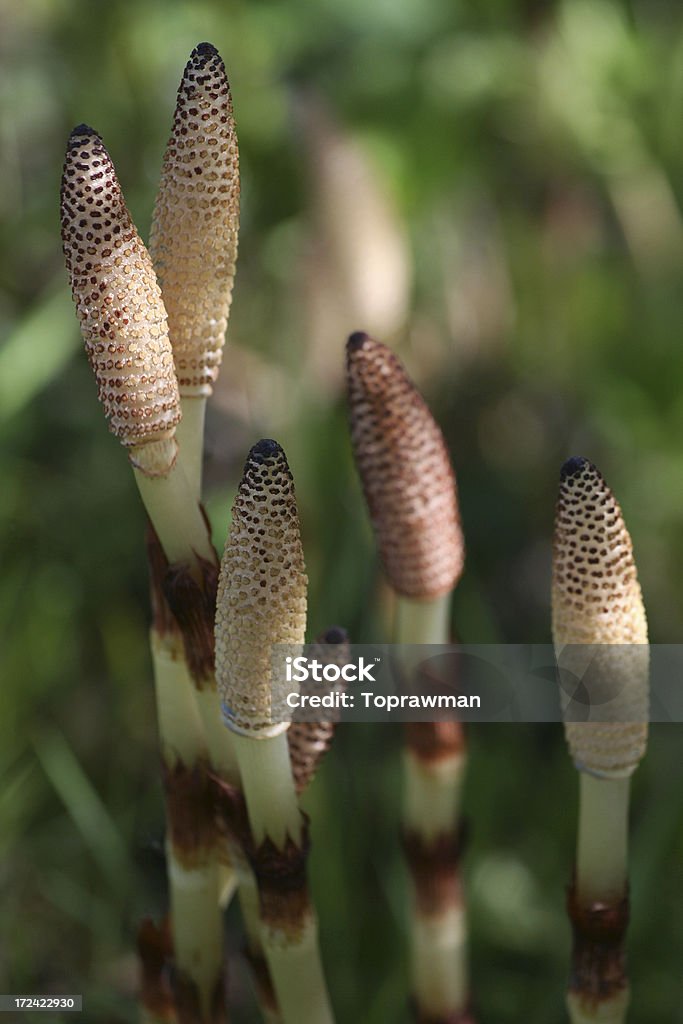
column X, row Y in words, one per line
column 495, row 188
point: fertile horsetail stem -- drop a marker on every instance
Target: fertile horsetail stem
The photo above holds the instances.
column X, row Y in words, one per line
column 193, row 241
column 262, row 601
column 123, row 322
column 411, row 493
column 600, row 637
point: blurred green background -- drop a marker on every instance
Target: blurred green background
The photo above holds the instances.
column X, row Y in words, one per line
column 493, row 187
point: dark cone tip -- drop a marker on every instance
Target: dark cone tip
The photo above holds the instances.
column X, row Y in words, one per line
column 205, row 50
column 356, row 341
column 573, row 466
column 83, row 131
column 265, row 449
column 334, row 635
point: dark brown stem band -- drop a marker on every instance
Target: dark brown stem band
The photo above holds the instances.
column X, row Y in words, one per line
column 598, row 963
column 190, row 811
column 432, row 742
column 434, row 867
column 457, row 1017
column 187, row 1003
column 194, row 606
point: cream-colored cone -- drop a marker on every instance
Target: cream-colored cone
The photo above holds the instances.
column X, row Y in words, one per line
column 261, row 595
column 599, row 625
column 193, row 241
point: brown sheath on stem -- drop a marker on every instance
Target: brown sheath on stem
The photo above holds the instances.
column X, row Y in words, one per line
column 598, row 962
column 183, row 606
column 283, row 889
column 155, row 953
column 118, row 300
column 432, row 743
column 457, row 1017
column 193, row 240
column 406, row 473
column 163, row 620
column 193, row 605
column 188, row 1005
column 435, row 869
column 190, row 812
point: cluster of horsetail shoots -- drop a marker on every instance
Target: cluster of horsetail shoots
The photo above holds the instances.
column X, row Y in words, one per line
column 600, row 636
column 124, row 326
column 234, row 766
column 410, row 490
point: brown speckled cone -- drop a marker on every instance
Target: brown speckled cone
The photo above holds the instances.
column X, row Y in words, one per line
column 117, row 297
column 309, row 741
column 406, row 473
column 261, row 594
column 196, row 220
column 596, row 600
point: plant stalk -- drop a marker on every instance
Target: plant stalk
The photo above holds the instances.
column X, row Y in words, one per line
column 190, row 435
column 434, row 764
column 598, row 904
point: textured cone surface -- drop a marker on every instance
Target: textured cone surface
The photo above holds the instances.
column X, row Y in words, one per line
column 406, row 473
column 261, row 594
column 596, row 600
column 118, row 300
column 196, row 219
column 309, row 741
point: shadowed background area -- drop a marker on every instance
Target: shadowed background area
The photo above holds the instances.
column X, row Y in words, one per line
column 495, row 190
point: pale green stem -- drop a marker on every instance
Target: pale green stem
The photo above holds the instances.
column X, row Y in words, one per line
column 607, row 1011
column 297, row 974
column 432, row 792
column 180, row 729
column 227, row 885
column 176, row 516
column 190, row 437
column 439, row 963
column 431, row 807
column 250, row 907
column 197, row 923
column 219, row 740
column 422, row 622
column 196, row 918
column 291, row 953
column 602, row 849
column 268, row 787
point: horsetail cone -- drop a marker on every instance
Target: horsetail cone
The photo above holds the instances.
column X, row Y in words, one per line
column 309, row 740
column 405, row 471
column 194, row 232
column 261, row 595
column 599, row 620
column 118, row 301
